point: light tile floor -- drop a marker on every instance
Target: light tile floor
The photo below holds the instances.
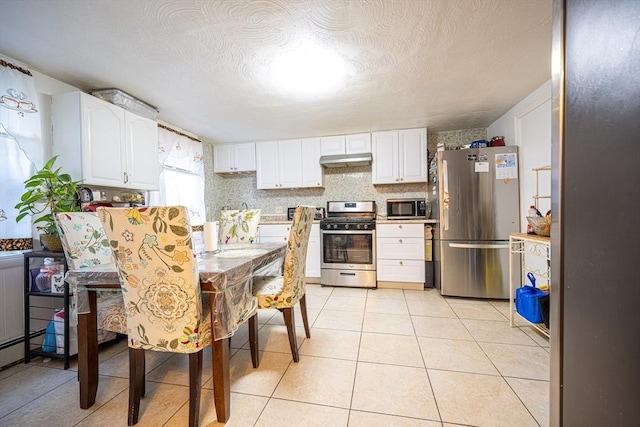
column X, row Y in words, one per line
column 375, row 358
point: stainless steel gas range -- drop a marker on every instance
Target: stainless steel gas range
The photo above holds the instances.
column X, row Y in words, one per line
column 348, row 245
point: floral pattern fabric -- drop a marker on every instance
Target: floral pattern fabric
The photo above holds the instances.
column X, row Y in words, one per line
column 239, row 226
column 158, row 275
column 286, row 290
column 85, row 245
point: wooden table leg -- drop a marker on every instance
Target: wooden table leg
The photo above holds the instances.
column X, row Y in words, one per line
column 221, row 382
column 88, row 353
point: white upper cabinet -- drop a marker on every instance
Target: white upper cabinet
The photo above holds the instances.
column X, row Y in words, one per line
column 278, row 164
column 345, row 144
column 413, row 155
column 232, row 158
column 358, row 143
column 384, row 149
column 102, row 144
column 143, row 168
column 312, row 172
column 332, row 145
column 399, row 156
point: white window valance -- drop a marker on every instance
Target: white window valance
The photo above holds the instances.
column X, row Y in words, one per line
column 179, row 152
column 182, row 174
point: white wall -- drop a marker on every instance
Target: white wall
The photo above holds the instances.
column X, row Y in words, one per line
column 528, row 125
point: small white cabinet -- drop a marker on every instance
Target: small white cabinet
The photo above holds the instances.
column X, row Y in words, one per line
column 345, row 144
column 399, row 156
column 312, row 172
column 278, row 233
column 234, row 158
column 278, row 164
column 400, row 256
column 103, row 144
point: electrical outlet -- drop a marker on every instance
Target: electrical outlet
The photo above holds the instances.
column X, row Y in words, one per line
column 278, row 209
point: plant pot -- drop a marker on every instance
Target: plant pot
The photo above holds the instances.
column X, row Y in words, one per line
column 51, row 243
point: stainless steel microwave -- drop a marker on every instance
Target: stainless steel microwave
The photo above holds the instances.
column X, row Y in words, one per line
column 406, row 209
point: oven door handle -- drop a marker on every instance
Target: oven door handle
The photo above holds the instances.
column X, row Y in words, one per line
column 349, row 231
column 347, row 274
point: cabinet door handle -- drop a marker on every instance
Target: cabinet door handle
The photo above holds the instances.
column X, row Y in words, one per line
column 401, row 263
column 126, row 178
column 400, row 240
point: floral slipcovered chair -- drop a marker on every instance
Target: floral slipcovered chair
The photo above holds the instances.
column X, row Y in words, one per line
column 283, row 292
column 239, row 226
column 159, row 279
column 85, row 245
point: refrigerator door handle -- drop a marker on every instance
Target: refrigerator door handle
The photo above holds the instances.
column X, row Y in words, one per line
column 445, row 195
column 478, row 246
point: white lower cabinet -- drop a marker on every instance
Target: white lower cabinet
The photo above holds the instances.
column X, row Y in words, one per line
column 400, row 256
column 277, row 233
column 314, row 257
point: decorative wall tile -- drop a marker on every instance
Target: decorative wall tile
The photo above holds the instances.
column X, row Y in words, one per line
column 454, row 138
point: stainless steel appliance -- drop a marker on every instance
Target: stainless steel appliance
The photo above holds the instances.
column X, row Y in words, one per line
column 318, row 215
column 348, row 245
column 479, row 206
column 406, row 209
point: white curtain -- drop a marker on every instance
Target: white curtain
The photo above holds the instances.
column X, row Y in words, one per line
column 21, row 150
column 182, row 175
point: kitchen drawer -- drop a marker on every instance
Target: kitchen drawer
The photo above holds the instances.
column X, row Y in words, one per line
column 400, row 230
column 400, row 248
column 394, row 270
column 274, row 230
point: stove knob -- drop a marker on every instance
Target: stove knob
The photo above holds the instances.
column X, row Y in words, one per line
column 366, row 226
column 358, row 226
column 335, row 226
column 346, row 226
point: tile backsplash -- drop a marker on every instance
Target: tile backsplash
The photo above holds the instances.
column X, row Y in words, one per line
column 353, row 183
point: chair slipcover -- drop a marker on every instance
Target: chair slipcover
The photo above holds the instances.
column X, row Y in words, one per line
column 239, row 226
column 158, row 275
column 85, row 245
column 286, row 290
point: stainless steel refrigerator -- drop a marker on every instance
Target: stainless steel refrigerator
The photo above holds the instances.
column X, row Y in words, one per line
column 479, row 206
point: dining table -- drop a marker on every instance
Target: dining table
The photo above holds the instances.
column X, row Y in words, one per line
column 226, row 276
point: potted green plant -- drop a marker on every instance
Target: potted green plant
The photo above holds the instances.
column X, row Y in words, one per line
column 48, row 191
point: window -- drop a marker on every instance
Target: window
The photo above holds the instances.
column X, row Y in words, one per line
column 182, row 174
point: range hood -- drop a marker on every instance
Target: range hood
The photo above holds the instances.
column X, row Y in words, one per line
column 346, row 160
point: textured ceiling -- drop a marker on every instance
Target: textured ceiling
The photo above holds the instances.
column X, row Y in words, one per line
column 444, row 64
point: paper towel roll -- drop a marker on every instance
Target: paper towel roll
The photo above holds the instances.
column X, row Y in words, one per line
column 211, row 236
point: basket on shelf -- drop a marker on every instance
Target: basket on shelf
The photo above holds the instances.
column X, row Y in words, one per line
column 541, row 225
